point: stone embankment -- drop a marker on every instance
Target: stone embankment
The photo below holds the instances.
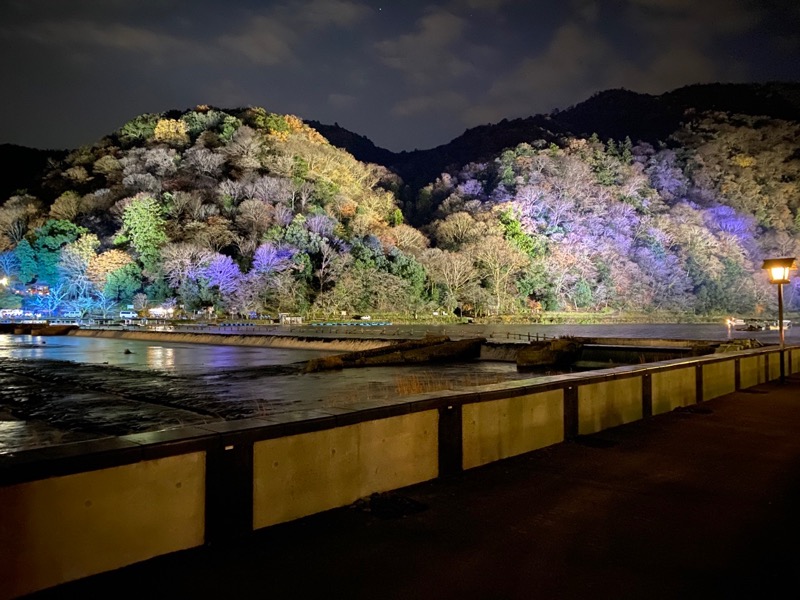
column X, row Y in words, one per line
column 42, row 328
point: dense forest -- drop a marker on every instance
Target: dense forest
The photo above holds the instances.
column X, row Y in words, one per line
column 245, row 211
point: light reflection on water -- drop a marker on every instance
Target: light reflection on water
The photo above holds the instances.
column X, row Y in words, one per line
column 175, row 358
column 160, row 358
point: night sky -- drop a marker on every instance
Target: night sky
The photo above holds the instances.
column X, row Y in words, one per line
column 405, row 74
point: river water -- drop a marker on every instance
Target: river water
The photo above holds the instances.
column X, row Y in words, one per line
column 62, row 389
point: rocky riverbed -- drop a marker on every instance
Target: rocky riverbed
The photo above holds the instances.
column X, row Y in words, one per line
column 61, row 390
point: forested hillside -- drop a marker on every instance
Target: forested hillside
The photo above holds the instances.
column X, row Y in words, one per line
column 245, row 211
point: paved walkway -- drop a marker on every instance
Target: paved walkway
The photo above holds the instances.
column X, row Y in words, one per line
column 699, row 503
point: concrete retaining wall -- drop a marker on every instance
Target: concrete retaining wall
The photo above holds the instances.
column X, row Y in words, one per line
column 73, row 511
column 303, row 474
column 499, row 429
column 62, row 528
column 673, row 389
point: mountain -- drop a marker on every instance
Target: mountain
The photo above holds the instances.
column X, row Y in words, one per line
column 612, row 114
column 620, row 113
column 419, row 167
column 245, row 211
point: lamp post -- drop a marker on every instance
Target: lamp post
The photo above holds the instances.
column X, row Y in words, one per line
column 778, row 270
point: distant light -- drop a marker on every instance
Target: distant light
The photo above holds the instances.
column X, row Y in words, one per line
column 3, row 280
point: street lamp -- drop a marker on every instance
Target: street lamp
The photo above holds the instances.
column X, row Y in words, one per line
column 778, row 272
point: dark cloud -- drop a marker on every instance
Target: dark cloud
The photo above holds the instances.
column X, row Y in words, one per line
column 430, row 53
column 411, row 74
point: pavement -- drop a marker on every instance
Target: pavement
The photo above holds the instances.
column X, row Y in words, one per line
column 698, row 503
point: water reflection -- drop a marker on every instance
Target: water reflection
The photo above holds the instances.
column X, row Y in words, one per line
column 160, row 358
column 176, row 358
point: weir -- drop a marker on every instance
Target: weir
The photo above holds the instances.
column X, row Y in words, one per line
column 566, row 352
column 224, row 339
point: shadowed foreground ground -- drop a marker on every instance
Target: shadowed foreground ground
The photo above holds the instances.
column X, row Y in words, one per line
column 698, row 503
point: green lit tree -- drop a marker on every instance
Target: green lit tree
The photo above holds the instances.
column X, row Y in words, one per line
column 145, row 228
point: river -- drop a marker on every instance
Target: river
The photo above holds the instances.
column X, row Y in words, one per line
column 62, row 389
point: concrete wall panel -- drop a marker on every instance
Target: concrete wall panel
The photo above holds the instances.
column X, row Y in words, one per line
column 502, row 428
column 674, row 388
column 608, row 404
column 751, row 370
column 718, row 379
column 65, row 528
column 774, row 366
column 304, row 474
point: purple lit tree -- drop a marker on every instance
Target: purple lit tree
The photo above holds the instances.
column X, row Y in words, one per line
column 270, row 258
column 221, row 275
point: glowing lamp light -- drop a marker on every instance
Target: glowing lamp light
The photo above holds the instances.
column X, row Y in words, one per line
column 778, row 271
column 3, row 281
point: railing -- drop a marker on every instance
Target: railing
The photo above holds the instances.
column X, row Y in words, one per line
column 536, row 337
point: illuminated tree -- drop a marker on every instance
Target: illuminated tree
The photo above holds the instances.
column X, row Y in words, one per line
column 66, row 207
column 183, row 263
column 455, row 272
column 457, row 230
column 50, row 238
column 123, row 283
column 109, row 167
column 499, row 262
column 140, row 129
column 203, row 162
column 72, row 269
column 331, row 264
column 26, row 258
column 9, row 264
column 103, row 304
column 102, row 265
column 201, row 119
column 222, row 278
column 254, row 218
column 144, row 227
column 245, row 149
column 215, row 233
column 406, row 238
column 269, row 258
column 18, row 216
column 172, row 132
column 48, row 304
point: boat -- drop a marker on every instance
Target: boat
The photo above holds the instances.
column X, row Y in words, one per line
column 752, row 325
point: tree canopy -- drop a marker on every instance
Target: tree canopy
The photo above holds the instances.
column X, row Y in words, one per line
column 249, row 211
